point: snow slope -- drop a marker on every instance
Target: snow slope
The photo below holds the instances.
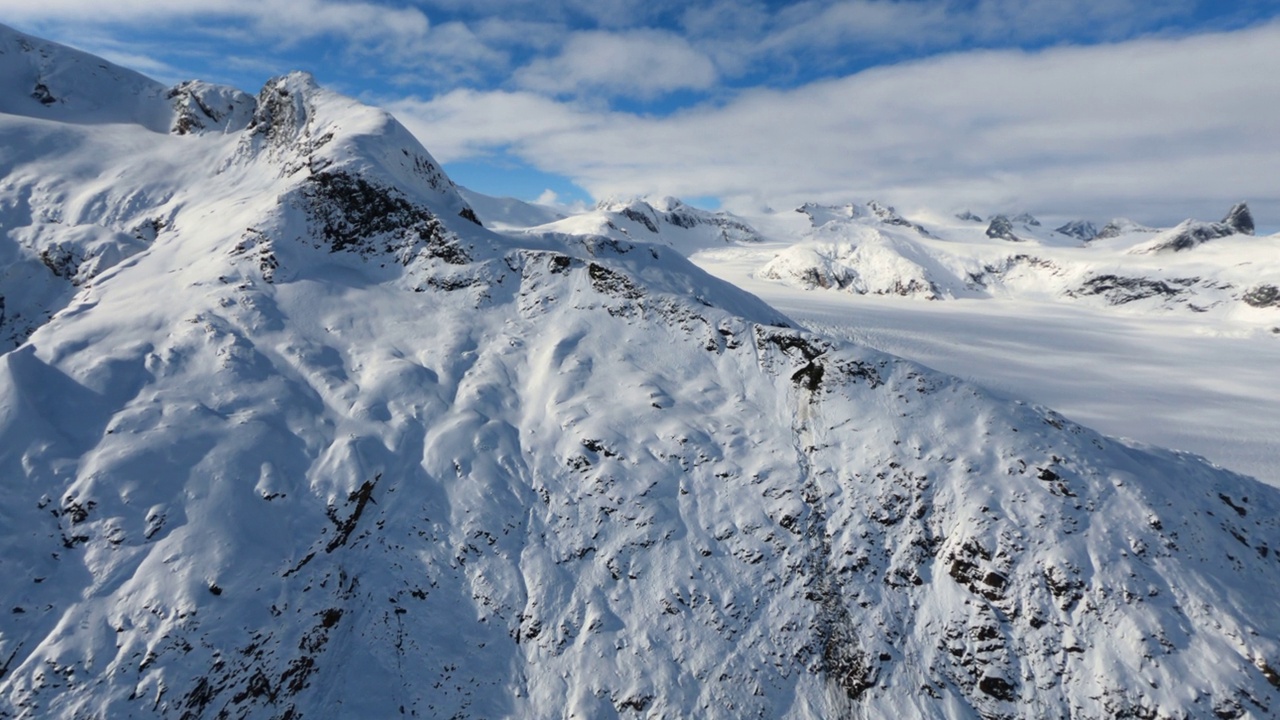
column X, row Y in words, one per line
column 318, row 445
column 667, row 221
column 1215, row 268
column 1174, row 348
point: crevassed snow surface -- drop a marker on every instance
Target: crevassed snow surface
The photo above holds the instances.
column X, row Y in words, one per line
column 308, row 442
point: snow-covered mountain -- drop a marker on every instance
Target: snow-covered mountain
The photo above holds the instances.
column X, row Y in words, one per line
column 666, row 221
column 868, row 250
column 510, row 213
column 285, row 432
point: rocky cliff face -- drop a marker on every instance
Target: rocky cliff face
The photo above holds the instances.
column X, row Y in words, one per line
column 320, row 446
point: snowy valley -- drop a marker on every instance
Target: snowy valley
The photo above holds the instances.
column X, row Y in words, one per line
column 287, row 431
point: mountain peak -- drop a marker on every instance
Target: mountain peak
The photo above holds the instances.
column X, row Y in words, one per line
column 315, row 445
column 1080, row 229
column 1239, row 219
column 1001, row 228
column 50, row 81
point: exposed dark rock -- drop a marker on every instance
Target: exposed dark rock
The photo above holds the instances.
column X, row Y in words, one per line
column 354, row 214
column 1119, row 290
column 1260, row 296
column 199, row 106
column 638, row 703
column 1188, row 235
column 1191, row 233
column 613, row 283
column 1027, row 219
column 889, row 216
column 1082, row 229
column 1268, row 672
column 1002, row 229
column 344, row 527
column 968, row 217
column 997, row 687
column 1239, row 219
column 681, row 219
column 41, row 93
column 61, row 261
column 640, row 217
column 810, row 376
column 1110, row 230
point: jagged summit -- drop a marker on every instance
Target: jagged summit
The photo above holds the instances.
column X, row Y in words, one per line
column 1001, row 228
column 1239, row 218
column 202, row 107
column 314, row 444
column 1079, row 229
column 1192, row 233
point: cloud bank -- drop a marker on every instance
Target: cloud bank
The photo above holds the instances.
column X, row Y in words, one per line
column 1154, row 127
column 1076, row 107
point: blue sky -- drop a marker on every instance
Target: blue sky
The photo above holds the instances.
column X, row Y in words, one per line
column 1062, row 107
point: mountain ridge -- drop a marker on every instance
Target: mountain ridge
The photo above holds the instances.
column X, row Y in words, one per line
column 324, row 446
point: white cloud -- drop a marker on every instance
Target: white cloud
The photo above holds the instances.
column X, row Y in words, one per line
column 282, row 19
column 1155, row 128
column 643, row 63
column 469, row 123
column 829, row 35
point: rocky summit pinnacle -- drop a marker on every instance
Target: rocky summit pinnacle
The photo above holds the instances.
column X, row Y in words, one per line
column 1001, row 228
column 1239, row 219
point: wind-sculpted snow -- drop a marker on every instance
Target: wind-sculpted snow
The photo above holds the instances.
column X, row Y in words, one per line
column 322, row 447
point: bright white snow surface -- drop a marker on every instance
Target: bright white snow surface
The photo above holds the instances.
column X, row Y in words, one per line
column 1172, row 362
column 283, row 433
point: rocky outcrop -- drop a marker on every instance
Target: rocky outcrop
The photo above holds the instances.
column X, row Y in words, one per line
column 1192, row 233
column 1079, row 229
column 202, row 107
column 1001, row 228
column 1263, row 296
column 889, row 216
column 1239, row 219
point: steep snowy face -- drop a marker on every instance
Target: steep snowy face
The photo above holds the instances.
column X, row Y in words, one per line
column 321, row 446
column 48, row 81
column 202, row 107
column 83, row 195
column 855, row 259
